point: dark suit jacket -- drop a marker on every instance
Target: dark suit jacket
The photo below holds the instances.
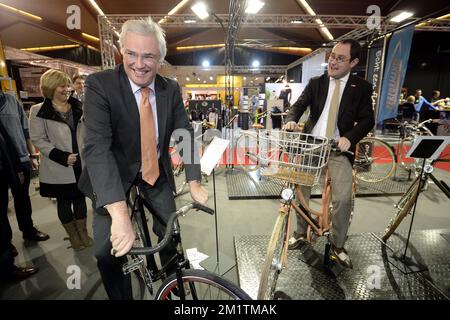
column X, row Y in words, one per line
column 112, row 149
column 355, row 117
column 10, row 162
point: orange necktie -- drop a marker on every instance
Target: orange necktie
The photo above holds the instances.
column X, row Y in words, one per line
column 149, row 155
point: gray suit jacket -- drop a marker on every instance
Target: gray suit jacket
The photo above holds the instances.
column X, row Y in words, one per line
column 112, row 149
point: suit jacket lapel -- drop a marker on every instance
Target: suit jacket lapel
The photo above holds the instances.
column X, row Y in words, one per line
column 129, row 99
column 347, row 95
column 325, row 83
column 161, row 107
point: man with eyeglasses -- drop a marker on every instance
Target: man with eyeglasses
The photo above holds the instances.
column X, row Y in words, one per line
column 130, row 115
column 340, row 109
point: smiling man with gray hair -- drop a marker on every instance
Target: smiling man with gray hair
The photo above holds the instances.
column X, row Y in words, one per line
column 130, row 115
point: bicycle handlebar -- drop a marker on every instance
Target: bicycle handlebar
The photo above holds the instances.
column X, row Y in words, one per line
column 169, row 229
column 334, row 147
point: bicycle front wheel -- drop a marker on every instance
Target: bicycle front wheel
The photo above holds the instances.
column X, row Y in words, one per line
column 273, row 263
column 374, row 160
column 200, row 285
column 404, row 207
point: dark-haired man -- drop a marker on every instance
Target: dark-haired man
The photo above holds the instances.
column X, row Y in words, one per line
column 340, row 109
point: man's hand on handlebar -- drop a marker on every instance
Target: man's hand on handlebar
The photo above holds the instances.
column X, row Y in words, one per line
column 122, row 232
column 291, row 126
column 343, row 144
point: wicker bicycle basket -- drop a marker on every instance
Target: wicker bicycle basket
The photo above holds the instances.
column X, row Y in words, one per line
column 294, row 157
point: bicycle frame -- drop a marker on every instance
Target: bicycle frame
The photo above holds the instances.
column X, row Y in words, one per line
column 179, row 261
column 406, row 202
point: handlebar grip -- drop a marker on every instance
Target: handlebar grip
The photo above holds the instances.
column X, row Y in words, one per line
column 201, row 207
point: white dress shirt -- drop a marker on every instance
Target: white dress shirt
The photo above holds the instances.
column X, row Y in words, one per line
column 321, row 126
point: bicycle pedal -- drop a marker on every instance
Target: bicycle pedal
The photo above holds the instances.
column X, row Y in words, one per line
column 132, row 265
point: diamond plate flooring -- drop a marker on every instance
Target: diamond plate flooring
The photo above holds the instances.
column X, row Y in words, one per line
column 372, row 276
column 242, row 186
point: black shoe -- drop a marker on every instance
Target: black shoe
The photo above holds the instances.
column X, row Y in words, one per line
column 23, row 273
column 36, row 235
column 341, row 255
column 297, row 241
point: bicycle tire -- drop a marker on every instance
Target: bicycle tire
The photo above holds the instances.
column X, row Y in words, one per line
column 247, row 152
column 407, row 203
column 196, row 279
column 374, row 169
column 271, row 270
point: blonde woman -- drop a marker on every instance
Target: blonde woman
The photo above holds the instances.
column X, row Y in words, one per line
column 53, row 130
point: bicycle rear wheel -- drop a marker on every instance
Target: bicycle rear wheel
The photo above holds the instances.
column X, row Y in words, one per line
column 374, row 160
column 405, row 205
column 201, row 285
column 247, row 152
column 272, row 264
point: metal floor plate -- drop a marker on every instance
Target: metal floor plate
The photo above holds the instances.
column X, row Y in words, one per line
column 242, row 186
column 372, row 276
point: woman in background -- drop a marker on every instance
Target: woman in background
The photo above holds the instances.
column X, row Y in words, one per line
column 53, row 130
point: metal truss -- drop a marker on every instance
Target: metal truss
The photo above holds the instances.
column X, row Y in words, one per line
column 266, row 70
column 236, row 12
column 231, row 23
column 265, row 20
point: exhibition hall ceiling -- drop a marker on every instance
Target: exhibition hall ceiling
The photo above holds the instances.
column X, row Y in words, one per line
column 43, row 23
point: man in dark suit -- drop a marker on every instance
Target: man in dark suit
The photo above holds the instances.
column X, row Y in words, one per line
column 121, row 107
column 341, row 109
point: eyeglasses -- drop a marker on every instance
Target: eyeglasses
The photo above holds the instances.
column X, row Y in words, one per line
column 339, row 59
column 148, row 57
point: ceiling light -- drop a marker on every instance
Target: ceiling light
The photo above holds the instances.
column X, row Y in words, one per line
column 205, row 63
column 174, row 10
column 297, row 21
column 292, row 80
column 50, row 48
column 206, row 46
column 23, row 13
column 211, row 78
column 190, row 21
column 254, row 6
column 255, row 64
column 204, row 81
column 96, row 7
column 200, row 10
column 245, row 78
column 401, row 16
column 187, row 79
column 324, row 30
column 178, row 7
column 198, row 79
column 91, row 37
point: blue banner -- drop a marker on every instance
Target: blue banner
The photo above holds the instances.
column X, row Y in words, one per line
column 394, row 73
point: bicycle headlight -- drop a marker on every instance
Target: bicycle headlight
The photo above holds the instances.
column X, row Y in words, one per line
column 428, row 168
column 287, row 194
